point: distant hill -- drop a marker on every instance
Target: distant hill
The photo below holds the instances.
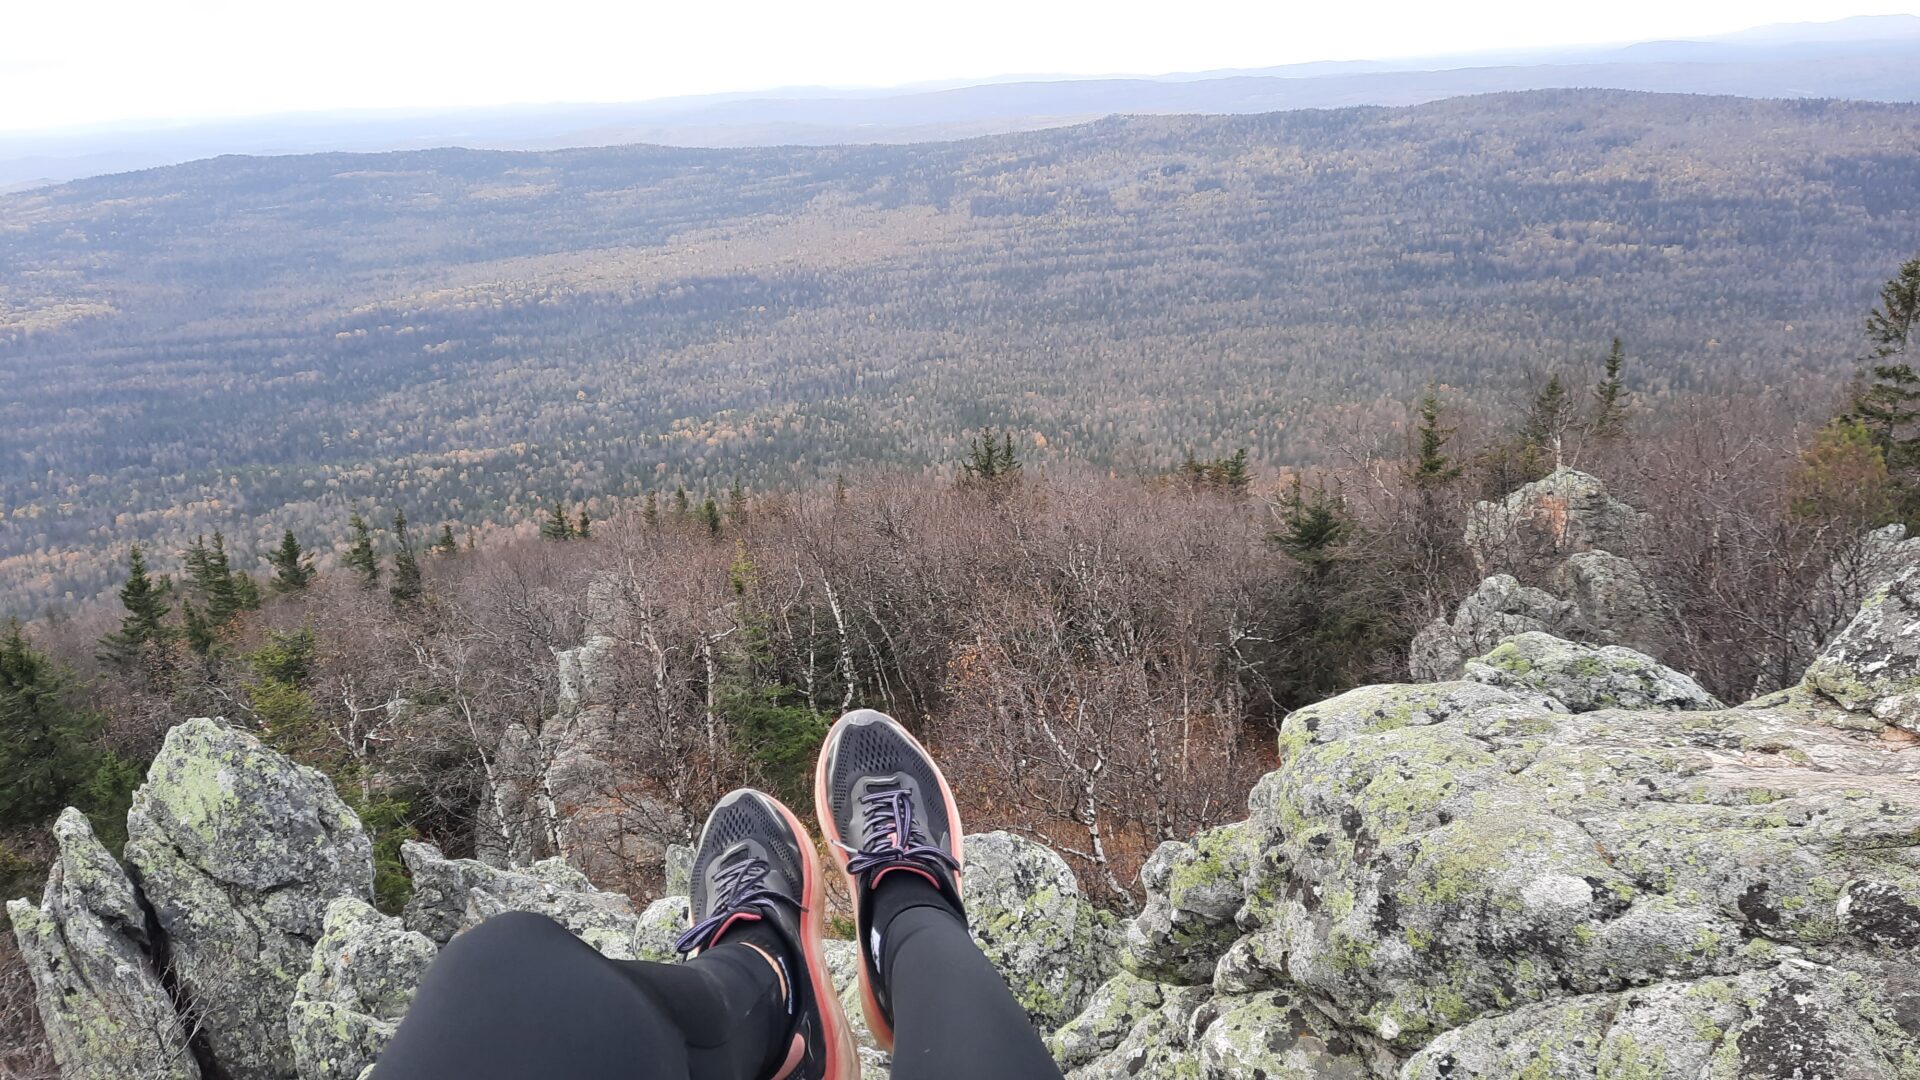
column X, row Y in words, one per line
column 1869, row 58
column 253, row 343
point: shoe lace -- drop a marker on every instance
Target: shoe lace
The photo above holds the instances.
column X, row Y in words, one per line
column 893, row 836
column 741, row 886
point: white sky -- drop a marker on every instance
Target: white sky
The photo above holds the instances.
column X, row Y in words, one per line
column 73, row 62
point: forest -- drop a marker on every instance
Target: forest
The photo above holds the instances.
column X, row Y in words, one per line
column 252, row 345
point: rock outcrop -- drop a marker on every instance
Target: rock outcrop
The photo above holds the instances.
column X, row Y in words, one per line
column 1553, row 555
column 1872, row 668
column 557, row 792
column 240, row 851
column 357, row 987
column 107, row 1014
column 1568, row 862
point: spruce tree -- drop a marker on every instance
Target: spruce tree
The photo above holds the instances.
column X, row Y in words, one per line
column 557, row 526
column 710, row 516
column 680, row 501
column 1432, row 468
column 407, row 585
column 737, row 504
column 988, row 461
column 651, row 511
column 1610, row 398
column 1543, row 432
column 584, row 529
column 223, row 592
column 46, row 750
column 292, row 566
column 143, row 626
column 360, row 557
column 446, row 545
column 1312, row 527
column 1890, row 327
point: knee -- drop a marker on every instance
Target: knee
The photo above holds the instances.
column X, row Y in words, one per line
column 510, row 939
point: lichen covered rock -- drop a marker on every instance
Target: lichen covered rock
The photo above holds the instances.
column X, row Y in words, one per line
column 1497, row 609
column 1791, row 1020
column 1028, row 915
column 1159, row 1046
column 356, row 988
column 1872, row 668
column 1537, row 526
column 660, row 925
column 451, row 895
column 1274, row 1034
column 1193, row 893
column 1438, row 873
column 1587, row 677
column 239, row 851
column 106, row 1013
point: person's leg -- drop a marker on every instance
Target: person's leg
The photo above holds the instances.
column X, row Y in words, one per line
column 519, row 996
column 953, row 1016
column 930, row 996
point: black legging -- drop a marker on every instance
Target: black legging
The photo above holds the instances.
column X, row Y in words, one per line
column 519, row 996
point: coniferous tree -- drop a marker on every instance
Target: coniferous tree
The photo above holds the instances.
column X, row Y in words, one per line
column 1432, row 469
column 1890, row 327
column 557, row 526
column 1543, row 433
column 1312, row 527
column 988, row 461
column 211, row 576
column 650, row 512
column 143, row 626
column 737, row 504
column 1886, row 404
column 680, row 501
column 407, row 587
column 1229, row 474
column 710, row 516
column 446, row 545
column 1610, row 398
column 360, row 557
column 292, row 566
column 202, row 634
column 46, row 748
column 584, row 528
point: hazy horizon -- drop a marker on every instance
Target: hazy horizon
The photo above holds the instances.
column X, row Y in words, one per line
column 161, row 72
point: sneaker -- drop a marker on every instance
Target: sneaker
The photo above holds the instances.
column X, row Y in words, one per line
column 886, row 809
column 756, row 864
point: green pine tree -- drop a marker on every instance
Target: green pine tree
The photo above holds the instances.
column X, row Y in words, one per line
column 1890, row 327
column 988, row 461
column 1610, row 398
column 360, row 557
column 557, row 526
column 710, row 516
column 211, row 576
column 650, row 511
column 292, row 566
column 737, row 504
column 1432, row 468
column 1312, row 526
column 446, row 545
column 1543, row 432
column 584, row 528
column 143, row 627
column 680, row 501
column 46, row 738
column 407, row 586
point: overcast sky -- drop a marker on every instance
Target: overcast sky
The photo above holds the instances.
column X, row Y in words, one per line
column 79, row 62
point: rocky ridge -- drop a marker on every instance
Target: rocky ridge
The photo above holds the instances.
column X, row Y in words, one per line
column 1564, row 859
